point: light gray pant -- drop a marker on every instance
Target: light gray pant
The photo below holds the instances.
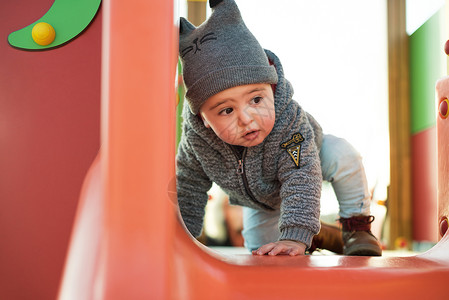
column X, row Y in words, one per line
column 341, row 165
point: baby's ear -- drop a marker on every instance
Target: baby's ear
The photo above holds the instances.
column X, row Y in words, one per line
column 206, row 124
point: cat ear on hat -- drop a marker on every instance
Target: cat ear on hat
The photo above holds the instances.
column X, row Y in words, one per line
column 185, row 26
column 213, row 3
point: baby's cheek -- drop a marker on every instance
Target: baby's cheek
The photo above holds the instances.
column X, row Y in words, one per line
column 229, row 137
column 269, row 124
column 223, row 134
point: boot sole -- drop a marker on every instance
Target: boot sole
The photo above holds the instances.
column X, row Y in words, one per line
column 363, row 250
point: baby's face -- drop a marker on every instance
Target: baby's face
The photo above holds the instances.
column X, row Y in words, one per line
column 243, row 115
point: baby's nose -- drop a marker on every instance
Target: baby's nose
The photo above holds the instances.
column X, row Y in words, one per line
column 245, row 118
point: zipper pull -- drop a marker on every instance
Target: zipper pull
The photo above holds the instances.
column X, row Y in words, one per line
column 240, row 167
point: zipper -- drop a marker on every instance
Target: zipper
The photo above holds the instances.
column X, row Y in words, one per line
column 240, row 166
column 241, row 171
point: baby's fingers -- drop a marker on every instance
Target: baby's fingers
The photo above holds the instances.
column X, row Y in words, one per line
column 294, row 252
column 281, row 247
column 264, row 249
column 278, row 249
column 272, row 249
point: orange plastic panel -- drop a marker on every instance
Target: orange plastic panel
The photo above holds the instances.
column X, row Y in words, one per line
column 136, row 162
column 137, row 157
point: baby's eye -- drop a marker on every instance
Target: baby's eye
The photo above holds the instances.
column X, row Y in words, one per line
column 256, row 100
column 226, row 111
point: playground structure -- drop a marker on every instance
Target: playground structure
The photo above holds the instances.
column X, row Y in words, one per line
column 127, row 242
column 140, row 250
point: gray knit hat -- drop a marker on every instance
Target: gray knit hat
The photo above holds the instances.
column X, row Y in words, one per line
column 219, row 54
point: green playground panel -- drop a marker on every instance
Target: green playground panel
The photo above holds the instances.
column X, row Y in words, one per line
column 427, row 64
column 68, row 17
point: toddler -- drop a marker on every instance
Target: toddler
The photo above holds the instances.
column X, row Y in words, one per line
column 243, row 131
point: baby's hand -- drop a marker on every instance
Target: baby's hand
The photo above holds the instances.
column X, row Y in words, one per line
column 291, row 248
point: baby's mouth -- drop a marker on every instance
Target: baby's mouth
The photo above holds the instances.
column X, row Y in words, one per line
column 251, row 135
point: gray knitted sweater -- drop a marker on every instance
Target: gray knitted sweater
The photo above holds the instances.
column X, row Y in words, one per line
column 283, row 172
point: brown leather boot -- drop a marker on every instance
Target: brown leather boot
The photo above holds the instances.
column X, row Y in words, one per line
column 357, row 237
column 329, row 238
